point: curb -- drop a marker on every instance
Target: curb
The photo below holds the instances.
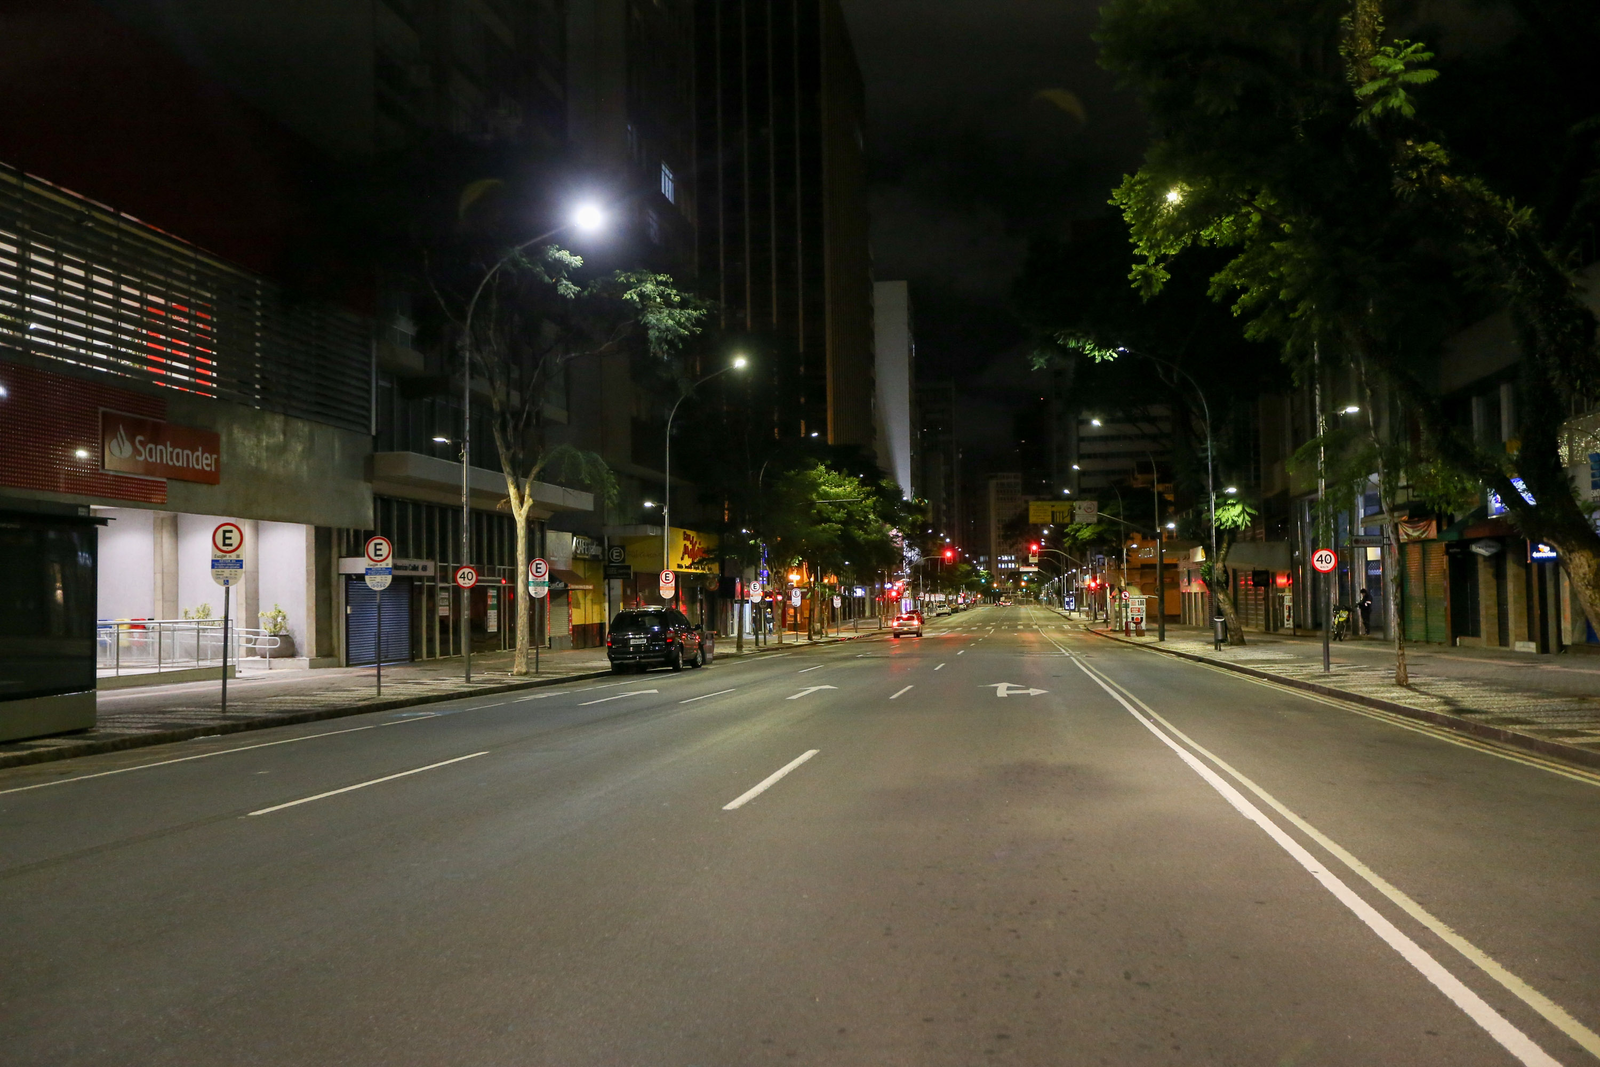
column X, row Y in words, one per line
column 189, row 733
column 213, row 729
column 1539, row 745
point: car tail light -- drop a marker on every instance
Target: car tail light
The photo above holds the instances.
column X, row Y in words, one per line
column 669, row 639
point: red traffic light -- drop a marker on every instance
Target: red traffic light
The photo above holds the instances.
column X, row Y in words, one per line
column 1034, row 547
column 949, row 554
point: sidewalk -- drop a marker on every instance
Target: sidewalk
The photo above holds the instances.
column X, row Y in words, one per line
column 260, row 699
column 1544, row 704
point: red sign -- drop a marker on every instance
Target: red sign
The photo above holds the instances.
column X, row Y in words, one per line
column 1324, row 560
column 151, row 449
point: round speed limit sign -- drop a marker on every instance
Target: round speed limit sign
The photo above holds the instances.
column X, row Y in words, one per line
column 466, row 577
column 1324, row 560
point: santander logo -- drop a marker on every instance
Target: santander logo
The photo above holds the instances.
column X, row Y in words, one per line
column 119, row 446
column 150, row 448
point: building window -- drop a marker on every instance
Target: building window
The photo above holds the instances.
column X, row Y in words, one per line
column 652, row 227
column 669, row 186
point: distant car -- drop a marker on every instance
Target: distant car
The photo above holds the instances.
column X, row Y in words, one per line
column 1005, row 603
column 908, row 623
column 942, row 609
column 657, row 637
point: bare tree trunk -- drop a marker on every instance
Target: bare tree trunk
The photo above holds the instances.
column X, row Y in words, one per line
column 1391, row 541
column 1219, row 589
column 520, row 506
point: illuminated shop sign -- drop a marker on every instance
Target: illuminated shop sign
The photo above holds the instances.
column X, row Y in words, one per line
column 148, row 448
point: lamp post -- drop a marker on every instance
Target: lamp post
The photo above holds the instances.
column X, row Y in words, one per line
column 1211, row 488
column 666, row 467
column 588, row 218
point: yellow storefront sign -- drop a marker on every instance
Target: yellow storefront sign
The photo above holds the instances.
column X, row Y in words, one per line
column 1048, row 512
column 692, row 551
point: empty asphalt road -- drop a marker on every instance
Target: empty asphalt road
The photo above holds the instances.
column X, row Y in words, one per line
column 1006, row 842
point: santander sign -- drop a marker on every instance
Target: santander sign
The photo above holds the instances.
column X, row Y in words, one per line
column 147, row 448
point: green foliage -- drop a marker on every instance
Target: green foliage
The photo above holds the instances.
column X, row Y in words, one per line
column 578, row 468
column 276, row 621
column 1234, row 515
column 836, row 521
column 1395, row 67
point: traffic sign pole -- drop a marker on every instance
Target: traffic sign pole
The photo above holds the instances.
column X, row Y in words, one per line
column 225, row 598
column 1325, row 561
column 378, row 643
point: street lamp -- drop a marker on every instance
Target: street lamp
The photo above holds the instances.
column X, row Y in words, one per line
column 739, row 363
column 1210, row 448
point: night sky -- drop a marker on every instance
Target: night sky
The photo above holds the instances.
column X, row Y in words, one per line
column 988, row 123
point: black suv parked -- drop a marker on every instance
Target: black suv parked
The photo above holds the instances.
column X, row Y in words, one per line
column 657, row 637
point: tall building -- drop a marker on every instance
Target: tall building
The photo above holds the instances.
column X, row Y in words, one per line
column 1005, row 503
column 938, row 456
column 1103, row 450
column 894, row 365
column 783, row 210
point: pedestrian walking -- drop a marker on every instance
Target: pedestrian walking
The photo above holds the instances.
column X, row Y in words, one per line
column 1364, row 605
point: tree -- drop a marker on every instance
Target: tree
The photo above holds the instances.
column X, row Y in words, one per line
column 1290, row 135
column 522, row 315
column 835, row 523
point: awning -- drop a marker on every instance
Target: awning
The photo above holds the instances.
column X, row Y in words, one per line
column 569, row 579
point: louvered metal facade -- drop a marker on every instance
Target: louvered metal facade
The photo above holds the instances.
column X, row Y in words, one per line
column 82, row 285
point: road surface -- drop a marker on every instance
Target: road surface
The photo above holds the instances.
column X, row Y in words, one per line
column 1006, row 842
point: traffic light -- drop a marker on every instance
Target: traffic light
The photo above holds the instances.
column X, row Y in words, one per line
column 1034, row 547
column 949, row 555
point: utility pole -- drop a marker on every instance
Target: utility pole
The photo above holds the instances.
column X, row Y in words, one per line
column 1322, row 486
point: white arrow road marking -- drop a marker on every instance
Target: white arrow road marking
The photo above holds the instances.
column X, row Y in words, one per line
column 1009, row 689
column 363, row 785
column 810, row 689
column 619, row 696
column 770, row 780
column 903, row 692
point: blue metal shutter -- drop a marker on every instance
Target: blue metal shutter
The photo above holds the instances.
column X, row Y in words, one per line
column 361, row 622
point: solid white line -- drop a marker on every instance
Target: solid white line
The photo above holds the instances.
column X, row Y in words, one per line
column 902, row 692
column 963, row 652
column 591, row 688
column 818, row 667
column 619, row 696
column 1553, row 1012
column 186, row 759
column 769, row 781
column 703, row 696
column 363, row 785
column 940, row 667
column 1475, row 1007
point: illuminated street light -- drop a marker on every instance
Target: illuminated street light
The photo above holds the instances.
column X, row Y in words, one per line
column 1351, row 410
column 1231, row 490
column 588, row 217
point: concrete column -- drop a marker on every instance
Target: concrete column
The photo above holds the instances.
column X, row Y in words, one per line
column 247, row 599
column 1488, row 603
column 324, row 627
column 165, row 564
column 1517, row 593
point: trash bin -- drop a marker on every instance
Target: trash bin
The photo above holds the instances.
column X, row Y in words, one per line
column 1219, row 631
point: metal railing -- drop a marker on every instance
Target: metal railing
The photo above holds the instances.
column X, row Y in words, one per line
column 143, row 646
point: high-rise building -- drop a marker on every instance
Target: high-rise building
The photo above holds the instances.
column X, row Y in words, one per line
column 938, row 456
column 1005, row 503
column 783, row 210
column 894, row 363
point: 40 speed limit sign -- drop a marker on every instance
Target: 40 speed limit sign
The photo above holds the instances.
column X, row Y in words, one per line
column 1324, row 560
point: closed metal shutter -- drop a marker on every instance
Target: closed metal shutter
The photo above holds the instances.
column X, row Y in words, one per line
column 361, row 622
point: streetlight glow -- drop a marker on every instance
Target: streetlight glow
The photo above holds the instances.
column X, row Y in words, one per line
column 1231, row 490
column 1351, row 410
column 739, row 362
column 1092, row 422
column 588, row 217
column 441, row 440
column 1174, row 195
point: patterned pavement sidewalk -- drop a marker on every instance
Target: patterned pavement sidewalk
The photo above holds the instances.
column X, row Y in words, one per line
column 1556, row 703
